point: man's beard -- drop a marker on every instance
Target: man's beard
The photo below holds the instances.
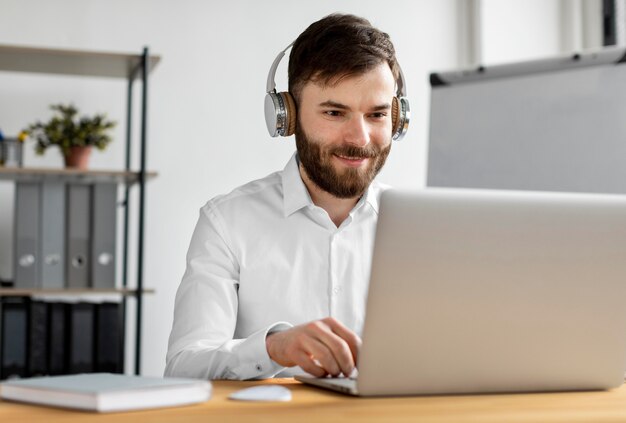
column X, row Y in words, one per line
column 349, row 183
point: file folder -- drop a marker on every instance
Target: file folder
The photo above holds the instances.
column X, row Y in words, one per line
column 13, row 337
column 57, row 339
column 81, row 338
column 109, row 341
column 103, row 235
column 26, row 236
column 78, row 227
column 52, row 233
column 37, row 362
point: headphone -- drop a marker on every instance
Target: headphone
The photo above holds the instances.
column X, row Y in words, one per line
column 280, row 108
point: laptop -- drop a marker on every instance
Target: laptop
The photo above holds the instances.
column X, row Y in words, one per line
column 492, row 291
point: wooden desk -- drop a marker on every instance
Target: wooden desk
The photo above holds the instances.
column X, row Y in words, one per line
column 314, row 405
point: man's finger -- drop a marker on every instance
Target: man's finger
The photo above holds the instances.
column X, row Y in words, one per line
column 338, row 348
column 307, row 363
column 323, row 354
column 351, row 338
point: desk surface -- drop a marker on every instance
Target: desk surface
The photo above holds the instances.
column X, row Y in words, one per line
column 312, row 404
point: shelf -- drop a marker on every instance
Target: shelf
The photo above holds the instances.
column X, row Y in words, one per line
column 14, row 292
column 129, row 67
column 72, row 62
column 71, row 175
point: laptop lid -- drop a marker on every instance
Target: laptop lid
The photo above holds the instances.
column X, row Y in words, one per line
column 486, row 291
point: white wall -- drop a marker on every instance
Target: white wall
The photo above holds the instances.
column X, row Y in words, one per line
column 518, row 30
column 514, row 30
column 206, row 129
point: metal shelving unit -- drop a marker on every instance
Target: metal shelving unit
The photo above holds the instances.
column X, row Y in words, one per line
column 130, row 67
column 71, row 175
column 13, row 292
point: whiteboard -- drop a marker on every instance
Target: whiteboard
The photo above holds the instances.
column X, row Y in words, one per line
column 550, row 125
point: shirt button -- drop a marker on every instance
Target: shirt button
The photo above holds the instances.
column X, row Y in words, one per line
column 259, row 367
column 336, row 290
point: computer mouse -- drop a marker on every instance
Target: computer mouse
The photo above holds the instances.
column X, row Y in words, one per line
column 262, row 393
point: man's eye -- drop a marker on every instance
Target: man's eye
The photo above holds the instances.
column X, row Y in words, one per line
column 379, row 115
column 333, row 112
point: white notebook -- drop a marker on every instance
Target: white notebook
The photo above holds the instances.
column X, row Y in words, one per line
column 105, row 392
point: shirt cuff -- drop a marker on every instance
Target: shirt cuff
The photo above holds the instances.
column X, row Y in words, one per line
column 263, row 366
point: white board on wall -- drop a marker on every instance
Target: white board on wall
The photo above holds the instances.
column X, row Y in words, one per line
column 552, row 125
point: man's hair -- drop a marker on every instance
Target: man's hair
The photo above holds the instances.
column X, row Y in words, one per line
column 336, row 47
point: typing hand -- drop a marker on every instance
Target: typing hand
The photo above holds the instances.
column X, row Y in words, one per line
column 322, row 347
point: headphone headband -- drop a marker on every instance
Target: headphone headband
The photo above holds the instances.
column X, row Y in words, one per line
column 271, row 83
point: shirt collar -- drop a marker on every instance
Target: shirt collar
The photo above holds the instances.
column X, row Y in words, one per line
column 296, row 195
column 372, row 195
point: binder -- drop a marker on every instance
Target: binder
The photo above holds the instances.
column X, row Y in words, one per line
column 52, row 233
column 80, row 351
column 13, row 337
column 37, row 362
column 109, row 351
column 26, row 236
column 57, row 339
column 77, row 227
column 103, row 235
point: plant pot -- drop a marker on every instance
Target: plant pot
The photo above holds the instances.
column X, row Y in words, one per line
column 78, row 157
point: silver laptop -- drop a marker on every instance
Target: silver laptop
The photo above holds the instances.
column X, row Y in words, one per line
column 493, row 291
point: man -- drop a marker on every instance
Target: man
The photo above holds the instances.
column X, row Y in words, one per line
column 278, row 270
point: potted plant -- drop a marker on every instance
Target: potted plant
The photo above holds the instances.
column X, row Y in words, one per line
column 75, row 137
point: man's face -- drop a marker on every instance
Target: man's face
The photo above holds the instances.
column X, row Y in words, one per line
column 343, row 134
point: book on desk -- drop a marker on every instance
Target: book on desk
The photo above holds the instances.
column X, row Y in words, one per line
column 105, row 392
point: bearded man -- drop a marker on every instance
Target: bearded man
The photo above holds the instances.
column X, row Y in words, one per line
column 278, row 269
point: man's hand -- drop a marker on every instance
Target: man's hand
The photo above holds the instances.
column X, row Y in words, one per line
column 320, row 347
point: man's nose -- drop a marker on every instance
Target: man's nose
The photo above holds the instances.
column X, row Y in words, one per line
column 357, row 132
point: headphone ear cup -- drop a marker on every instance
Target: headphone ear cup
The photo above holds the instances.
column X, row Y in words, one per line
column 395, row 115
column 280, row 114
column 290, row 116
column 400, row 117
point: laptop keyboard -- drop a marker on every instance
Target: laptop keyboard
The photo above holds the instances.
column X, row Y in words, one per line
column 343, row 382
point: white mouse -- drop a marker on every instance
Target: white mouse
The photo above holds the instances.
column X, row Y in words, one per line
column 262, row 393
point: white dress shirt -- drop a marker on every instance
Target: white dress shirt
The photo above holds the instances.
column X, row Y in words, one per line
column 264, row 258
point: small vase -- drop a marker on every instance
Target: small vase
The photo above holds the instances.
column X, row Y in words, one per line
column 78, row 157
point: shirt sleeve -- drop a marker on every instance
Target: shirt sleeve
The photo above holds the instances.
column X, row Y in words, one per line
column 201, row 343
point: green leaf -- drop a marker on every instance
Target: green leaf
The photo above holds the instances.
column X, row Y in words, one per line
column 66, row 130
